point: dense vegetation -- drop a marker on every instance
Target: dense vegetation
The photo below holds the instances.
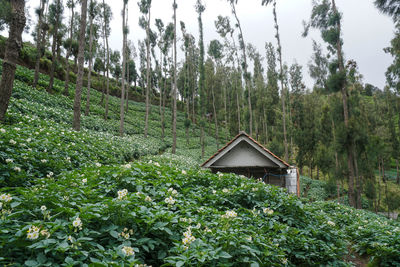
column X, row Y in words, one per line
column 74, row 197
column 124, row 187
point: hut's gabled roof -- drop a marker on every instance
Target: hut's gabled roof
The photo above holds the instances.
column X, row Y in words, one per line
column 244, row 151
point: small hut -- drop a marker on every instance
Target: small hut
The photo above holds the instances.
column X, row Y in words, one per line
column 245, row 156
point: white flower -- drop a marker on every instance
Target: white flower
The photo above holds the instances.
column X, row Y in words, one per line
column 188, row 237
column 98, row 164
column 84, row 180
column 225, row 190
column 268, row 211
column 9, row 160
column 122, row 194
column 284, row 261
column 172, row 191
column 17, row 169
column 12, row 142
column 183, row 172
column 331, row 223
column 28, row 140
column 127, row 166
column 43, row 208
column 214, row 192
column 128, row 251
column 255, row 189
column 17, row 129
column 229, row 214
column 170, row 200
column 148, row 199
column 44, row 160
column 5, row 197
column 2, row 130
column 249, row 238
column 33, row 233
column 77, row 223
column 50, row 174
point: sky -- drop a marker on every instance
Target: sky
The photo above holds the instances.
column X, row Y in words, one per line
column 366, row 32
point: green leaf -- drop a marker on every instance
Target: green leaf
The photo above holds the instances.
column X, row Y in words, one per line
column 31, row 263
column 225, row 255
column 114, row 234
column 15, row 204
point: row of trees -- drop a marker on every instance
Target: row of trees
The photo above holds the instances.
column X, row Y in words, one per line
column 341, row 128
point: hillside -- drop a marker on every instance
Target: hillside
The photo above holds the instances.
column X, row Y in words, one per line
column 95, row 198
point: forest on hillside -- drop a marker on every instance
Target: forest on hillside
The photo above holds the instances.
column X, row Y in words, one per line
column 341, row 130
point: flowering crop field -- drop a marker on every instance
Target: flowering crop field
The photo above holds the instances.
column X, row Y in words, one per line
column 155, row 213
column 92, row 198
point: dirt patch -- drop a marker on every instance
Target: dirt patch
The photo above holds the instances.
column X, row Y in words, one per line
column 357, row 259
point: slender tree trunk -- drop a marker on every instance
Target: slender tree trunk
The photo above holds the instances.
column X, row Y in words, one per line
column 122, row 113
column 13, row 48
column 397, row 172
column 187, row 135
column 105, row 26
column 379, row 189
column 160, row 80
column 128, row 83
column 146, row 118
column 163, row 111
column 238, row 109
column 246, row 75
column 215, row 117
column 39, row 33
column 283, row 91
column 90, row 64
column 54, row 49
column 174, row 89
column 76, row 124
column 202, row 141
column 69, row 51
column 358, row 183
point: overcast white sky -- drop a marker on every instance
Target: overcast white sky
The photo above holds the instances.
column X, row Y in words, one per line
column 365, row 31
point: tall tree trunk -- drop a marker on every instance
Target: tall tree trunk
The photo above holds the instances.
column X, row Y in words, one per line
column 283, row 91
column 122, row 113
column 76, row 124
column 344, row 92
column 163, row 111
column 128, row 83
column 13, row 47
column 358, row 183
column 174, row 89
column 202, row 141
column 39, row 34
column 54, row 48
column 215, row 117
column 69, row 51
column 397, row 172
column 90, row 63
column 246, row 75
column 105, row 26
column 148, row 82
